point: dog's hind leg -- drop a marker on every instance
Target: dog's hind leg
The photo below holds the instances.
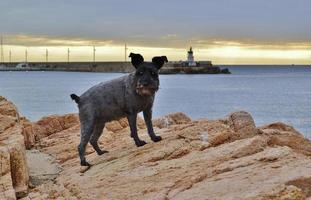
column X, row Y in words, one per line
column 98, row 130
column 87, row 128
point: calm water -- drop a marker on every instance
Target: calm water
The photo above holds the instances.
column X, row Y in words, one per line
column 269, row 93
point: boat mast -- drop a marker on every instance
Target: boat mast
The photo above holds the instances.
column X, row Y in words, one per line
column 125, row 52
column 2, row 55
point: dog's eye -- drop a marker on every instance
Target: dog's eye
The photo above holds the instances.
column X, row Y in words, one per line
column 153, row 73
column 140, row 73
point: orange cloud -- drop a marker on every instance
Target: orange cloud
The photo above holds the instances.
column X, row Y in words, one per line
column 220, row 51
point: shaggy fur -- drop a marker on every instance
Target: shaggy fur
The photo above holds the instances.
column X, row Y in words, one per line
column 122, row 97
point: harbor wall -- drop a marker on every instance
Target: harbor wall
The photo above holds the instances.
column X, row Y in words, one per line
column 120, row 67
column 74, row 66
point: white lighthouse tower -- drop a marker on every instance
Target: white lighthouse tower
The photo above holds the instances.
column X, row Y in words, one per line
column 190, row 58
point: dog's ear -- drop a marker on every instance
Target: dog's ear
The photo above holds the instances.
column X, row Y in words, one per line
column 136, row 59
column 159, row 61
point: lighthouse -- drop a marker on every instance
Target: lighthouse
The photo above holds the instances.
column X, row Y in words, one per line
column 190, row 58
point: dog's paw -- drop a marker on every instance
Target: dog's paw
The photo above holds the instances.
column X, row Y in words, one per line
column 156, row 138
column 140, row 143
column 101, row 152
column 85, row 163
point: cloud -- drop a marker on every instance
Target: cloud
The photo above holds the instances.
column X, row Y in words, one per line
column 123, row 20
column 219, row 50
column 33, row 41
column 166, row 41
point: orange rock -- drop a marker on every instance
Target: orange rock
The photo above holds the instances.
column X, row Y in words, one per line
column 114, row 126
column 221, row 159
column 19, row 167
column 7, row 108
column 118, row 125
column 218, row 159
column 242, row 124
column 30, row 136
column 56, row 123
column 6, row 184
column 171, row 119
column 34, row 131
column 6, row 122
column 13, row 153
column 284, row 135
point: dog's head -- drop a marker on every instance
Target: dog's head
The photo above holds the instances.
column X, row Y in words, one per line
column 147, row 73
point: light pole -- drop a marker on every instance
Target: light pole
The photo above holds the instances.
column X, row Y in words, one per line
column 68, row 55
column 125, row 52
column 94, row 52
column 26, row 56
column 46, row 55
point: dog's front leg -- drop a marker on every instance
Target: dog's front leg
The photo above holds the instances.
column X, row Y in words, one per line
column 132, row 122
column 148, row 121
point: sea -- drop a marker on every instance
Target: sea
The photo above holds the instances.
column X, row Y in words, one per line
column 269, row 93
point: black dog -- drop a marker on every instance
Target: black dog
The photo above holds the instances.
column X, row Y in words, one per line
column 122, row 97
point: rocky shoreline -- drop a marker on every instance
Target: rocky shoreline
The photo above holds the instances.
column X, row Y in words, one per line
column 228, row 158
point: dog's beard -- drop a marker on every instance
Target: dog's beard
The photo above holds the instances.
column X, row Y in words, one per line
column 146, row 90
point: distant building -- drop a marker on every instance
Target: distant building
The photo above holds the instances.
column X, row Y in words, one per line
column 190, row 62
column 190, row 58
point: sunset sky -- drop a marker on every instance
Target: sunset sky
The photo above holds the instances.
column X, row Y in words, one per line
column 224, row 31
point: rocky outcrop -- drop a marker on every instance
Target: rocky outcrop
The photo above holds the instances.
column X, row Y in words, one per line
column 46, row 126
column 7, row 108
column 229, row 158
column 6, row 189
column 284, row 135
column 171, row 119
column 14, row 169
column 242, row 124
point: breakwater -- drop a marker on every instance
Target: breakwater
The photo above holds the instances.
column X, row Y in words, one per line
column 121, row 67
column 70, row 66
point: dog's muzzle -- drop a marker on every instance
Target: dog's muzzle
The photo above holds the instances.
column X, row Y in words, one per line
column 146, row 90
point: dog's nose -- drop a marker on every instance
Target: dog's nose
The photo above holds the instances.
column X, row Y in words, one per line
column 144, row 83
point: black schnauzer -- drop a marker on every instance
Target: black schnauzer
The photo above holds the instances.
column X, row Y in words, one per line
column 122, row 97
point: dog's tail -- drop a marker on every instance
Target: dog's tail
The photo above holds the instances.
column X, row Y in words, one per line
column 75, row 98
